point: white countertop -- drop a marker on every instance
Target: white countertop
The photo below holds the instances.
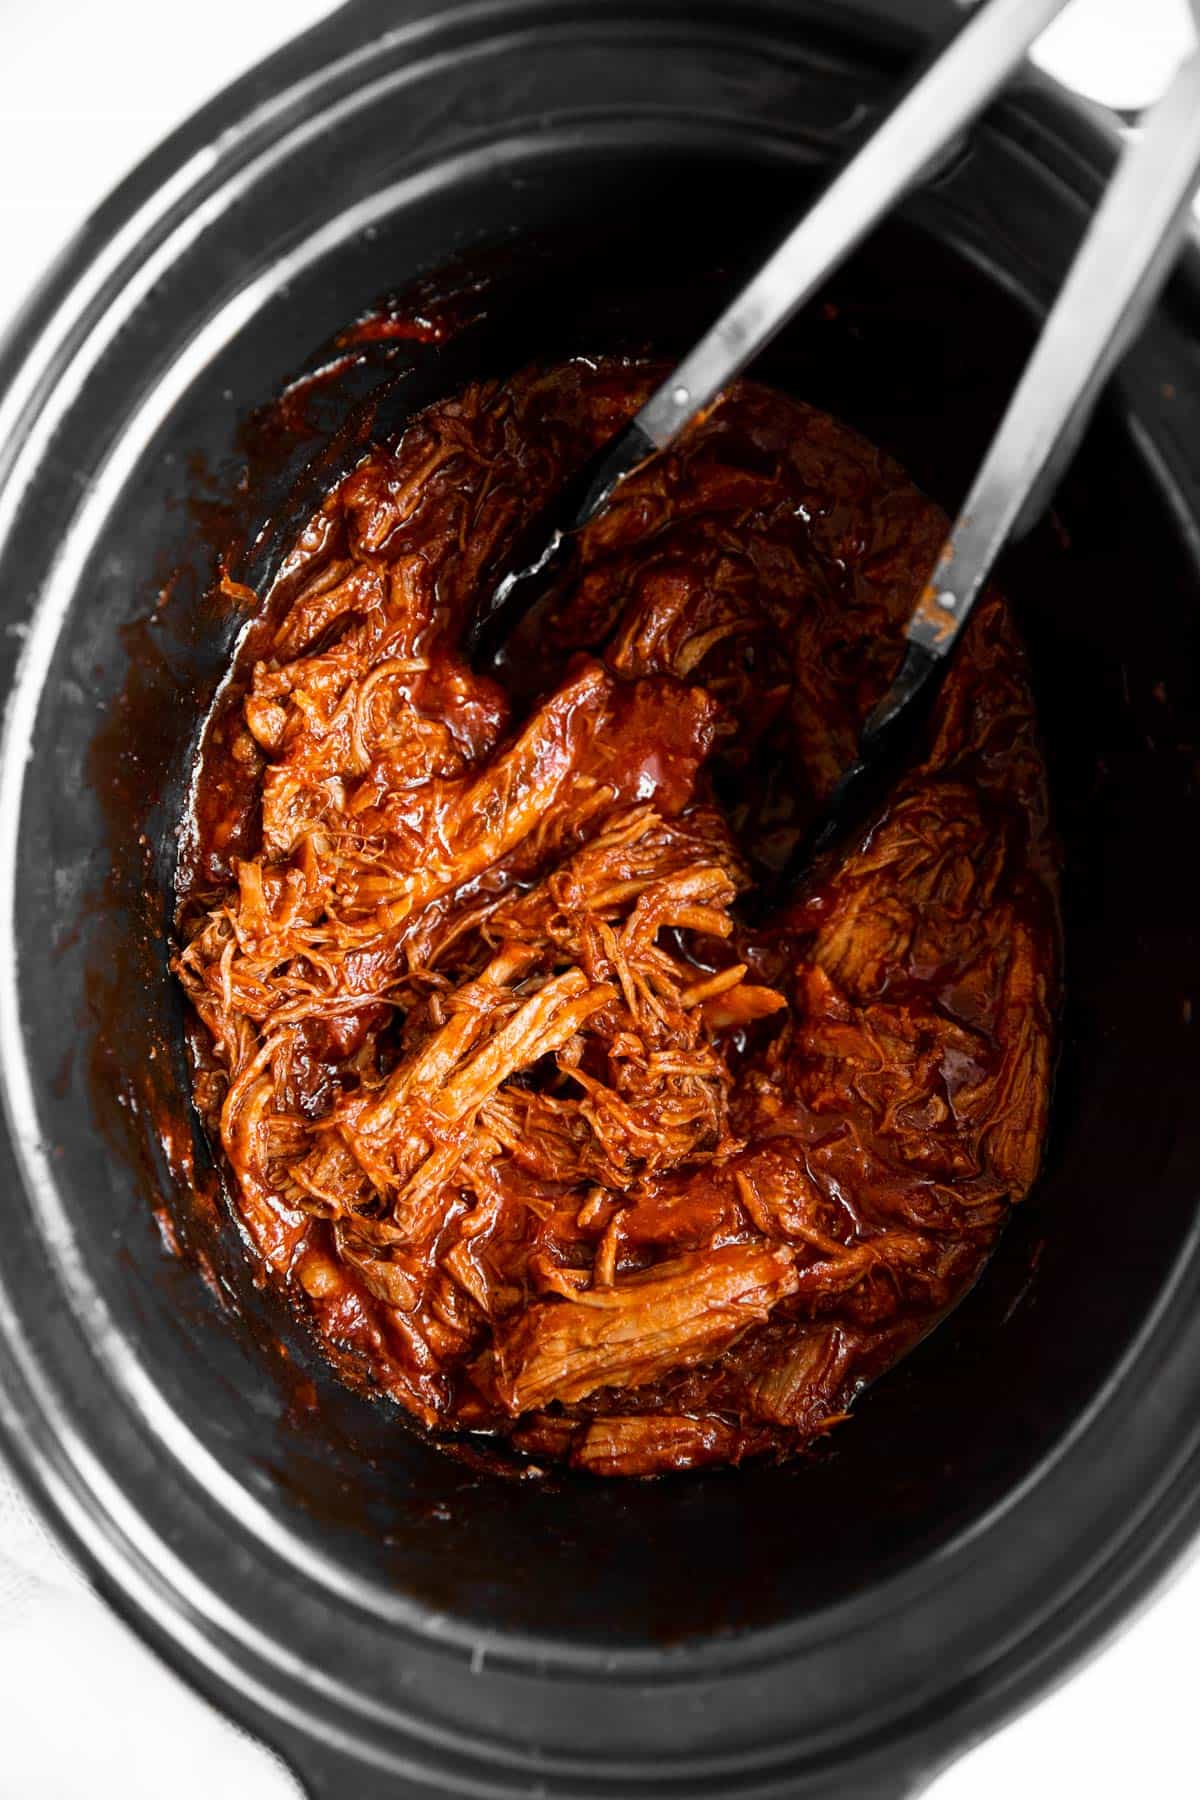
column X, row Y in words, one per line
column 86, row 88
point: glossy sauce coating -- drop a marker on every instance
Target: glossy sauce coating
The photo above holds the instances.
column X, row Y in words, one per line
column 551, row 1148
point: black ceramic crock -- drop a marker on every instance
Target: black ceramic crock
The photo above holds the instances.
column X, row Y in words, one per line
column 396, row 1622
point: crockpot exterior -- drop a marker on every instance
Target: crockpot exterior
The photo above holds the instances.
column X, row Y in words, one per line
column 395, row 1623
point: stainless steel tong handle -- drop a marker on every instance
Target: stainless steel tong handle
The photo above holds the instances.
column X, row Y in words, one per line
column 940, row 103
column 1126, row 253
column 1112, row 283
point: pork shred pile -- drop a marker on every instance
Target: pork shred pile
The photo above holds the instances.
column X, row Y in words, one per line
column 549, row 1146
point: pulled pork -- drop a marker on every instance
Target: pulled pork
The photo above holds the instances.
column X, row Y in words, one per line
column 552, row 1147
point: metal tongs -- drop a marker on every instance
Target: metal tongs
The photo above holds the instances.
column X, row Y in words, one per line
column 1112, row 284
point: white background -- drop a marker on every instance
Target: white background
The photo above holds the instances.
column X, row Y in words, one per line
column 86, row 87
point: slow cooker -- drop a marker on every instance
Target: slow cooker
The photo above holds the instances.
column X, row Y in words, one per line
column 396, row 1621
